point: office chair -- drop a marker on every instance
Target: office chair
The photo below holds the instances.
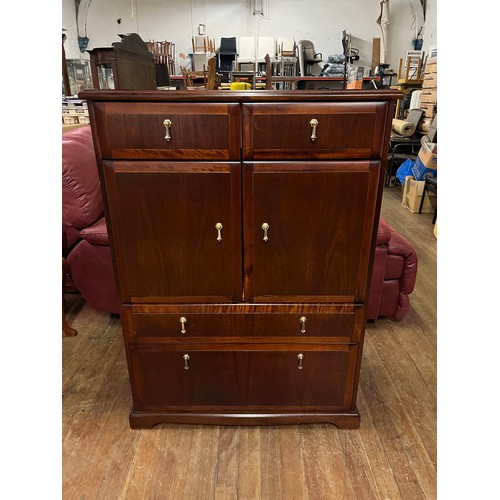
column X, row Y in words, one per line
column 227, row 54
column 246, row 52
column 309, row 56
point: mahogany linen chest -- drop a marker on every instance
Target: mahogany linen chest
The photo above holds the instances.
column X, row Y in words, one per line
column 242, row 227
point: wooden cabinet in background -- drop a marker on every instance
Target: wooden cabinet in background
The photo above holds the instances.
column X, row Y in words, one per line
column 127, row 64
column 242, row 228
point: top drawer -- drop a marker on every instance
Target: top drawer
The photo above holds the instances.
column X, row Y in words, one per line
column 314, row 130
column 204, row 131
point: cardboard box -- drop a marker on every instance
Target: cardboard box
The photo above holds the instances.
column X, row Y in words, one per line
column 429, row 109
column 428, row 154
column 430, row 81
column 429, row 95
column 426, row 162
column 431, row 65
column 421, row 172
column 355, row 78
column 412, row 196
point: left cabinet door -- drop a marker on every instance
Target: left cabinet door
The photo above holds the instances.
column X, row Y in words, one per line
column 175, row 229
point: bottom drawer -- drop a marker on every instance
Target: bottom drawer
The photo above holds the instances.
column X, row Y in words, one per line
column 286, row 377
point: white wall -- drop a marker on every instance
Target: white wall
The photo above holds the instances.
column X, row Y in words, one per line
column 430, row 29
column 321, row 21
column 69, row 24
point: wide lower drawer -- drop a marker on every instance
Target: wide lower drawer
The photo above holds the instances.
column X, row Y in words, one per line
column 191, row 322
column 177, row 377
column 203, row 131
column 314, row 130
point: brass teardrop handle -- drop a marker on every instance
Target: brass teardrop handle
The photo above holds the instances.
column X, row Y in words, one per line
column 219, row 226
column 186, row 361
column 183, row 321
column 265, row 227
column 303, row 320
column 314, row 124
column 300, row 357
column 168, row 124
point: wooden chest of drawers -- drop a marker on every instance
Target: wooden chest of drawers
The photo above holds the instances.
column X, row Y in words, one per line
column 242, row 228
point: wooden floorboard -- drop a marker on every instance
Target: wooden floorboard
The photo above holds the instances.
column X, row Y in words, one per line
column 392, row 455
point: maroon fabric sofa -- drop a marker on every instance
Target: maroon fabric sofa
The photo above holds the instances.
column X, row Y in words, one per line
column 86, row 245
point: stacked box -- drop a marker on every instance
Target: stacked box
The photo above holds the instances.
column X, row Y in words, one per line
column 426, row 163
column 74, row 111
column 412, row 197
column 428, row 102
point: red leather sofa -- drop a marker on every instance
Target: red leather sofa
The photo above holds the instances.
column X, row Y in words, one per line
column 85, row 242
column 87, row 252
column 394, row 274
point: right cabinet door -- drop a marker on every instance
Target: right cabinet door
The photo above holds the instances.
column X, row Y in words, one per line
column 308, row 229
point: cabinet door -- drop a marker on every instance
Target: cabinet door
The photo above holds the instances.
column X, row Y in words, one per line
column 309, row 230
column 176, row 230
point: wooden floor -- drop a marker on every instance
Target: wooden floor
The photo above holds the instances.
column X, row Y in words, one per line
column 392, row 455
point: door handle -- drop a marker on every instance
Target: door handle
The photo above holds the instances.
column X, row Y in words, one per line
column 265, row 227
column 219, row 226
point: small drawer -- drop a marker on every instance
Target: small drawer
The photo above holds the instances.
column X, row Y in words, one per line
column 187, row 323
column 314, row 130
column 204, row 131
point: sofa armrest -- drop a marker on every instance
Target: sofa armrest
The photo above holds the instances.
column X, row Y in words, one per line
column 394, row 274
column 398, row 245
column 384, row 232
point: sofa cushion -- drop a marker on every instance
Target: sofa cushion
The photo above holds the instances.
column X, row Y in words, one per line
column 81, row 195
column 96, row 233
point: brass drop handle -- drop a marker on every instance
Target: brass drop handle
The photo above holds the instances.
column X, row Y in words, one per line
column 183, row 321
column 300, row 357
column 218, row 226
column 265, row 227
column 186, row 361
column 168, row 124
column 314, row 124
column 303, row 320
